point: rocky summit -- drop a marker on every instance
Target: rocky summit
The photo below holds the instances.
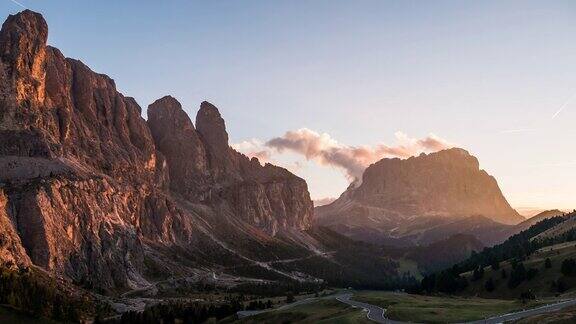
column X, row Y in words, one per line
column 412, row 198
column 91, row 191
column 204, row 168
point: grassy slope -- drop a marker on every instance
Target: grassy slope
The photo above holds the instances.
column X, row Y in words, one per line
column 321, row 311
column 540, row 285
column 433, row 309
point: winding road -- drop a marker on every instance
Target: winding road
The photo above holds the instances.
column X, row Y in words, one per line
column 378, row 314
column 375, row 313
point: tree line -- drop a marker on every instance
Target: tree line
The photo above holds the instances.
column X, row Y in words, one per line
column 515, row 249
column 38, row 295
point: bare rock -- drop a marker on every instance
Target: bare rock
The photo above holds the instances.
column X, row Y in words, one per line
column 405, row 198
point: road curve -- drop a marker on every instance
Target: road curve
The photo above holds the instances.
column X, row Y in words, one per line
column 375, row 313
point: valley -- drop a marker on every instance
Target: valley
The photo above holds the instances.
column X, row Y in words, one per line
column 394, row 307
column 110, row 217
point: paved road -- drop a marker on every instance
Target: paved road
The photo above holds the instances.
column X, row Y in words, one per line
column 378, row 314
column 375, row 313
column 527, row 313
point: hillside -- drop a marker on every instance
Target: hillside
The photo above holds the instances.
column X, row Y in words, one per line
column 560, row 229
column 442, row 254
column 533, row 220
column 526, row 262
column 547, row 282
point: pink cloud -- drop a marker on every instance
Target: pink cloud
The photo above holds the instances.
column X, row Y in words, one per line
column 352, row 159
column 323, row 201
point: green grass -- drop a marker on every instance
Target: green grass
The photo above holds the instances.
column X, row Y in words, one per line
column 320, row 311
column 433, row 309
column 541, row 285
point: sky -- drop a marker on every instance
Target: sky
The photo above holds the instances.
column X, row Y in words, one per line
column 497, row 78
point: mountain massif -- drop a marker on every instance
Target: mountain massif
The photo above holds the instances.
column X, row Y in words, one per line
column 102, row 200
column 91, row 191
column 420, row 200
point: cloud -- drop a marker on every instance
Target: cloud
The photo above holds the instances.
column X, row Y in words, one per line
column 323, row 201
column 253, row 148
column 518, row 130
column 325, row 150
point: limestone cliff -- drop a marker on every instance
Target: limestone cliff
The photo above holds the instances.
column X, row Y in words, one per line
column 85, row 190
column 204, row 168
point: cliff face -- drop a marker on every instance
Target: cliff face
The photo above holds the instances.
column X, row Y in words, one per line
column 57, row 107
column 437, row 188
column 446, row 183
column 85, row 190
column 204, row 168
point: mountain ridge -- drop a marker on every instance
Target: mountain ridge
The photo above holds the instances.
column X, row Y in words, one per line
column 93, row 193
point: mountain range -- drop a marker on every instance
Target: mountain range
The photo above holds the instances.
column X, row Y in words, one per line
column 93, row 194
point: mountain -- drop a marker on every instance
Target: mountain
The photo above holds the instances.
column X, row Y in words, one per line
column 92, row 193
column 204, row 168
column 564, row 228
column 538, row 218
column 407, row 201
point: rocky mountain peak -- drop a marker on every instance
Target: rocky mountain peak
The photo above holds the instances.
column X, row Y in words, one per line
column 178, row 140
column 84, row 193
column 168, row 110
column 397, row 194
column 166, row 103
column 212, row 126
column 203, row 167
column 25, row 32
column 23, row 52
column 444, row 183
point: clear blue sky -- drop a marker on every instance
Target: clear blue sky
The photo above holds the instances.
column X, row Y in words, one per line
column 358, row 70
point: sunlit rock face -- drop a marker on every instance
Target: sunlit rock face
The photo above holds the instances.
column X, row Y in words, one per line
column 85, row 189
column 397, row 197
column 203, row 167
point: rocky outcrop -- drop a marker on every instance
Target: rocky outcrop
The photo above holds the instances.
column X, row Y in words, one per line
column 175, row 136
column 87, row 193
column 204, row 168
column 447, row 183
column 58, row 107
column 398, row 197
column 213, row 131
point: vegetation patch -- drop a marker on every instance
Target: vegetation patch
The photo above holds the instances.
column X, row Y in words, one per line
column 439, row 309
